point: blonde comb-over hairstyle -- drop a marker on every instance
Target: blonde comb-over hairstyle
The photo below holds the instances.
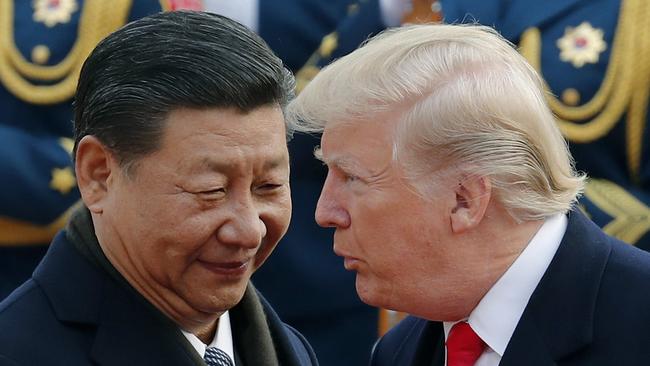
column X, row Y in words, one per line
column 469, row 100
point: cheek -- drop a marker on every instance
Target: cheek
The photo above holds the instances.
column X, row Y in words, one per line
column 377, row 221
column 167, row 256
column 276, row 216
column 170, row 249
column 399, row 240
column 276, row 220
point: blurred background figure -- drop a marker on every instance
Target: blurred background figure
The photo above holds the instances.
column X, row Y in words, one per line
column 303, row 279
column 42, row 48
column 595, row 58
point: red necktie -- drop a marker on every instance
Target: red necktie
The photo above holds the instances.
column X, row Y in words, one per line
column 464, row 346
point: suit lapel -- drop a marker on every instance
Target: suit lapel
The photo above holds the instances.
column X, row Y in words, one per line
column 558, row 320
column 431, row 347
column 527, row 347
column 423, row 344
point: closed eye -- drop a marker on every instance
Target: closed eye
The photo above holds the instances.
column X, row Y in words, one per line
column 268, row 187
column 271, row 186
column 212, row 194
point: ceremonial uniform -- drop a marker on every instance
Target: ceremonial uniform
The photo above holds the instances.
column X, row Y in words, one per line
column 42, row 48
column 594, row 56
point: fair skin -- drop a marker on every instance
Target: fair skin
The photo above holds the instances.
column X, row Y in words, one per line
column 193, row 220
column 435, row 256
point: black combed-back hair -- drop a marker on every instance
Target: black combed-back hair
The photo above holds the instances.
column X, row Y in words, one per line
column 137, row 75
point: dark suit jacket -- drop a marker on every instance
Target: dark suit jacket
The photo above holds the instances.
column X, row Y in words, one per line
column 590, row 308
column 73, row 313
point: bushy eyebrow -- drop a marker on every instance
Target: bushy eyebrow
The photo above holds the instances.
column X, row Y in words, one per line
column 345, row 164
column 277, row 162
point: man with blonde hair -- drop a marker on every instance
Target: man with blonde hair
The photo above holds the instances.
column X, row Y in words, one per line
column 453, row 194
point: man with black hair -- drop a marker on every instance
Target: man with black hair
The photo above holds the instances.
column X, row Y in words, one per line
column 181, row 161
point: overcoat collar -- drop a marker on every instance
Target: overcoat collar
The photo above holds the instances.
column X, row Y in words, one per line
column 83, row 296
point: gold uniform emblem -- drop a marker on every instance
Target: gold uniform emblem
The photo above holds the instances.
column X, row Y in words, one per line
column 582, row 44
column 53, row 12
column 63, row 180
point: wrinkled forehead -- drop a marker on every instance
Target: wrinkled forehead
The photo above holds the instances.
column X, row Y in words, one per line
column 357, row 139
column 227, row 131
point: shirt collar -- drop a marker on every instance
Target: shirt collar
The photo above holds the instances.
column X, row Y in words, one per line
column 496, row 316
column 222, row 338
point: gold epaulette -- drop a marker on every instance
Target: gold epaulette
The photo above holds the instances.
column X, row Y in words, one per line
column 97, row 19
column 624, row 91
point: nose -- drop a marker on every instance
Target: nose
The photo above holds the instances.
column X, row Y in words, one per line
column 244, row 227
column 329, row 211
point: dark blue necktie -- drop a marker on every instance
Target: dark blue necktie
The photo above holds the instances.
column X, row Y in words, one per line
column 216, row 357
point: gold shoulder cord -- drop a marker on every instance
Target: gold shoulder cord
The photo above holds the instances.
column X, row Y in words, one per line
column 625, row 87
column 328, row 44
column 98, row 19
column 630, row 216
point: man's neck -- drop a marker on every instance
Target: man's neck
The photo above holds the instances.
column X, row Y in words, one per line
column 207, row 332
column 488, row 252
column 504, row 240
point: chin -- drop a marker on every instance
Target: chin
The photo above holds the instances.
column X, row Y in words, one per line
column 380, row 294
column 218, row 305
column 218, row 300
column 368, row 294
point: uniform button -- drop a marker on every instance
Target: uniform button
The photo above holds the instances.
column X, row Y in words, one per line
column 571, row 97
column 40, row 54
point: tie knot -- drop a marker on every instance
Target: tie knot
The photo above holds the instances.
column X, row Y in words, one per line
column 216, row 357
column 464, row 346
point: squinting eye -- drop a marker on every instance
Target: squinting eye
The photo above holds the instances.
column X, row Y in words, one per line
column 351, row 178
column 269, row 187
column 212, row 194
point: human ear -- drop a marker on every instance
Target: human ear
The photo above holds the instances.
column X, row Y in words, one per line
column 473, row 195
column 93, row 166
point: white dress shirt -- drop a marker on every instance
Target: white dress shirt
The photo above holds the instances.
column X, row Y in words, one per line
column 222, row 339
column 496, row 316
